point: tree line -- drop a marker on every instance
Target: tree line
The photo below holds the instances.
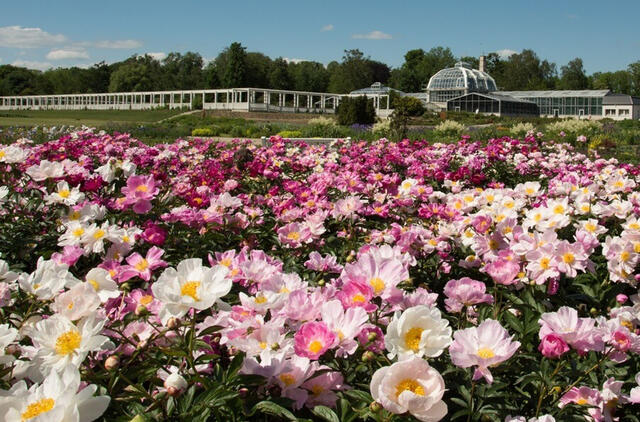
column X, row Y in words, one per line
column 236, row 67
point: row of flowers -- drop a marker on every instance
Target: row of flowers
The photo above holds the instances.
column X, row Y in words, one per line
column 194, row 280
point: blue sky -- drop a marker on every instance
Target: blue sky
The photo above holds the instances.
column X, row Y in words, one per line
column 61, row 33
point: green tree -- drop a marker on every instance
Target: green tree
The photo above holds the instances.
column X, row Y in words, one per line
column 634, row 71
column 138, row 73
column 353, row 73
column 309, row 76
column 183, row 71
column 279, row 77
column 232, row 66
column 525, row 71
column 573, row 75
column 419, row 66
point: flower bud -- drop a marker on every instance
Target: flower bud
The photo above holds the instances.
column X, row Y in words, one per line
column 621, row 298
column 141, row 310
column 143, row 344
column 372, row 336
column 368, row 356
column 173, row 323
column 375, row 407
column 175, row 384
column 112, row 362
column 243, row 392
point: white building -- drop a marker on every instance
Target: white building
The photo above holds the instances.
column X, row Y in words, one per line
column 621, row 107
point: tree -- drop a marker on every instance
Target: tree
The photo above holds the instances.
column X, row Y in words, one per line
column 258, row 67
column 279, row 77
column 309, row 76
column 353, row 73
column 419, row 66
column 525, row 71
column 183, row 71
column 573, row 76
column 353, row 110
column 138, row 73
column 232, row 66
column 634, row 71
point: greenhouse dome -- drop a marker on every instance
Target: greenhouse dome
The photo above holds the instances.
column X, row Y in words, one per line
column 458, row 80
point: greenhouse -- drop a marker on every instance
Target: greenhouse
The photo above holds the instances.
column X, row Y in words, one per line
column 493, row 103
column 564, row 103
column 456, row 81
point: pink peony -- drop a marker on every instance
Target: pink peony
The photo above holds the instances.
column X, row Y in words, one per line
column 313, row 339
column 142, row 267
column 139, row 192
column 483, row 346
column 503, row 271
column 552, row 346
column 465, row 292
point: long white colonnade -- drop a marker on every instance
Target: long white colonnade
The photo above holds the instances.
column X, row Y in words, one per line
column 233, row 99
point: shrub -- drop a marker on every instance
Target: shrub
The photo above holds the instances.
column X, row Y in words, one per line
column 356, row 110
column 409, row 106
column 382, row 128
column 575, row 126
column 521, row 129
column 449, row 128
column 290, row 134
column 206, row 131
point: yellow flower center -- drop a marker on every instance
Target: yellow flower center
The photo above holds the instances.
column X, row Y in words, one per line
column 412, row 338
column 544, row 263
column 2, row 154
column 146, row 299
column 485, row 353
column 142, row 188
column 263, row 345
column 99, row 234
column 582, row 401
column 293, row 235
column 190, row 288
column 634, row 226
column 358, row 298
column 624, row 256
column 287, row 379
column 627, row 324
column 493, row 244
column 126, row 239
column 260, row 299
column 590, row 227
column 618, row 184
column 226, row 262
column 142, row 265
column 38, row 408
column 74, row 215
column 94, row 284
column 568, row 258
column 409, row 384
column 68, row 342
column 315, row 346
column 317, row 389
column 558, row 209
column 529, row 191
column 78, row 232
column 378, row 284
column 64, row 193
column 284, row 290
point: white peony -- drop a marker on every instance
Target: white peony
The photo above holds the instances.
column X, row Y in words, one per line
column 191, row 285
column 47, row 280
column 57, row 400
column 410, row 386
column 418, row 331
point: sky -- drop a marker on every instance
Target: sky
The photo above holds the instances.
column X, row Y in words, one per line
column 48, row 34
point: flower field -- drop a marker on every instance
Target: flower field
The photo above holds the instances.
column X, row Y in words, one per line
column 383, row 281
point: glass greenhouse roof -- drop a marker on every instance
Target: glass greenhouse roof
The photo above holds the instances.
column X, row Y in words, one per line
column 375, row 88
column 461, row 76
column 558, row 94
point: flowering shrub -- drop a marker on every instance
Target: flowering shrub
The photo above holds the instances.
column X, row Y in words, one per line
column 449, row 128
column 387, row 281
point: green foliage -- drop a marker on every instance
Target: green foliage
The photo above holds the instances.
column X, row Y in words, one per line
column 206, row 131
column 356, row 110
column 290, row 134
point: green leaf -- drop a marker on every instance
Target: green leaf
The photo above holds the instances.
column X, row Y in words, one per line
column 359, row 395
column 271, row 408
column 325, row 413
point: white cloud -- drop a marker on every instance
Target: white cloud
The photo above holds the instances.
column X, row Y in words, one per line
column 373, row 35
column 288, row 60
column 505, row 53
column 158, row 56
column 327, row 28
column 67, row 53
column 117, row 44
column 32, row 64
column 19, row 37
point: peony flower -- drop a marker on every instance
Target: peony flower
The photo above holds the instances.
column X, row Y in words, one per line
column 47, row 280
column 465, row 292
column 503, row 271
column 191, row 285
column 553, row 346
column 483, row 346
column 410, row 386
column 78, row 302
column 579, row 333
column 58, row 398
column 59, row 342
column 7, row 336
column 345, row 323
column 139, row 192
column 313, row 339
column 418, row 331
column 142, row 267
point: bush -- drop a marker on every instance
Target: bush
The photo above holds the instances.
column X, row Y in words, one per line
column 521, row 129
column 322, row 127
column 356, row 110
column 449, row 128
column 382, row 128
column 206, row 131
column 410, row 106
column 290, row 134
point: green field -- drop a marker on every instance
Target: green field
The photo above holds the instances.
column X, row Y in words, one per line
column 81, row 117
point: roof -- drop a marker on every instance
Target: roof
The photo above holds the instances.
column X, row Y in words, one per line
column 558, row 93
column 375, row 88
column 459, row 77
column 620, row 99
column 498, row 96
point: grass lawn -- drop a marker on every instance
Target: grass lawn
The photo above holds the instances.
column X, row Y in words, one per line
column 81, row 117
